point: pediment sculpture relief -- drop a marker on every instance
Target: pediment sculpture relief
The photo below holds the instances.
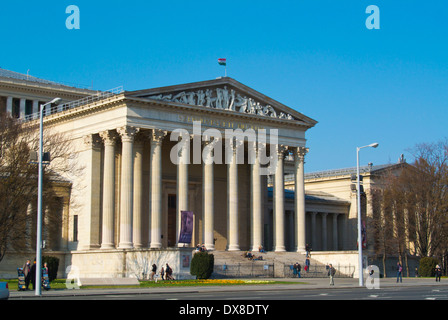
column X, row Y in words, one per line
column 225, row 99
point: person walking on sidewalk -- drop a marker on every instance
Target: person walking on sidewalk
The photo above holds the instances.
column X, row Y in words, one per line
column 438, row 272
column 27, row 273
column 331, row 273
column 399, row 272
column 153, row 271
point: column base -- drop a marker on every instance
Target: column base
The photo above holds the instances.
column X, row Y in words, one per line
column 233, row 247
column 155, row 246
column 280, row 249
column 126, row 245
column 107, row 246
column 301, row 250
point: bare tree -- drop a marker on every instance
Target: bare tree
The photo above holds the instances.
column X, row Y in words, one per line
column 412, row 205
column 19, row 180
column 425, row 191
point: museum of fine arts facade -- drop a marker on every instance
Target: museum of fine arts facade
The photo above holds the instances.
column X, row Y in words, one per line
column 127, row 202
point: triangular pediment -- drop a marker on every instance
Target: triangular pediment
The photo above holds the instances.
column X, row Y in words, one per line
column 224, row 94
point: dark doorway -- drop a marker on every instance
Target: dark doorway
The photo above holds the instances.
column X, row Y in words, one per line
column 172, row 220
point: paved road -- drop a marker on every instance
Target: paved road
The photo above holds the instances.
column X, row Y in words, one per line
column 299, row 289
column 266, row 301
column 403, row 293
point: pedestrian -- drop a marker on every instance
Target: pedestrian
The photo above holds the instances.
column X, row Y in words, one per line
column 27, row 273
column 162, row 273
column 331, row 273
column 153, row 271
column 169, row 272
column 299, row 269
column 45, row 268
column 399, row 272
column 307, row 264
column 33, row 274
column 308, row 250
column 438, row 272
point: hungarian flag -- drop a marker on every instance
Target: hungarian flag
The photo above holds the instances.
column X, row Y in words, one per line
column 222, row 61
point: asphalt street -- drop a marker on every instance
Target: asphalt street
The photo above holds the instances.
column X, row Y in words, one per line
column 248, row 301
column 298, row 289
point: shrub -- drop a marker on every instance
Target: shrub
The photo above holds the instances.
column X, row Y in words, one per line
column 426, row 267
column 53, row 266
column 202, row 265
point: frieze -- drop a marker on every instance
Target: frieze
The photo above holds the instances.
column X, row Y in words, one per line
column 224, row 99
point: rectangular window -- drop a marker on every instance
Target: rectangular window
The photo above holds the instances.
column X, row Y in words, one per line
column 75, row 228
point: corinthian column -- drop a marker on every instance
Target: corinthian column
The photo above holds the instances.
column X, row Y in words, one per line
column 156, row 187
column 138, row 195
column 232, row 202
column 256, row 201
column 182, row 185
column 299, row 161
column 127, row 134
column 279, row 201
column 109, row 138
column 207, row 196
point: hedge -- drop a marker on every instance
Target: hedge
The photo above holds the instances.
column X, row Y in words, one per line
column 202, row 265
column 427, row 266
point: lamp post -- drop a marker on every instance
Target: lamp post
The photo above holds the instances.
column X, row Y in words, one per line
column 361, row 280
column 39, row 204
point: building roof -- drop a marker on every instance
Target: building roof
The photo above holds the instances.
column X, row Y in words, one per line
column 349, row 171
column 312, row 196
column 8, row 74
column 20, row 76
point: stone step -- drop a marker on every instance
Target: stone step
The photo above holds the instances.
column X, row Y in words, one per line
column 235, row 257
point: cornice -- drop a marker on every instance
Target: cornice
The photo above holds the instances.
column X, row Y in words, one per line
column 122, row 100
column 44, row 89
column 222, row 113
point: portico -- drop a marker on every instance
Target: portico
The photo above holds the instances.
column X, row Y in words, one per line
column 136, row 193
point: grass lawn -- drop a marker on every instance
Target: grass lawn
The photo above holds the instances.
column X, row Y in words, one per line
column 60, row 283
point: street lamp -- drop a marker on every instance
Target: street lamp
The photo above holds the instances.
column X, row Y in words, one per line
column 39, row 203
column 361, row 280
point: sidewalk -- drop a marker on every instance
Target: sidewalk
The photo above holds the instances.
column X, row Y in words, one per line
column 296, row 284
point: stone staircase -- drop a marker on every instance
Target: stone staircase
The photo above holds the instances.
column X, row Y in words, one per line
column 272, row 264
column 235, row 257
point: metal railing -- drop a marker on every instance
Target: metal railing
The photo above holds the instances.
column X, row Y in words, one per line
column 243, row 270
column 319, row 271
column 73, row 104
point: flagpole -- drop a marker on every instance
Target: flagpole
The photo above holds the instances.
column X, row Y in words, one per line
column 223, row 62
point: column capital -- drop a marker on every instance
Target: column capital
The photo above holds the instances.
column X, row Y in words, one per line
column 92, row 141
column 208, row 139
column 157, row 135
column 127, row 133
column 234, row 143
column 300, row 152
column 281, row 150
column 109, row 137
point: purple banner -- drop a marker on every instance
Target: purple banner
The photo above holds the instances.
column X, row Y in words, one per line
column 186, row 227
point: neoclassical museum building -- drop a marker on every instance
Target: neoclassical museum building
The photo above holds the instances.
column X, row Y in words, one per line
column 159, row 174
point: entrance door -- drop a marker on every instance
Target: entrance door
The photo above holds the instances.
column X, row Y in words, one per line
column 172, row 220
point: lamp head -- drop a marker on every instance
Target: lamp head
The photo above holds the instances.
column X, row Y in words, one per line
column 373, row 145
column 55, row 100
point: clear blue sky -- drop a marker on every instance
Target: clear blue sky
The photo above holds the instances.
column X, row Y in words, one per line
column 388, row 86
